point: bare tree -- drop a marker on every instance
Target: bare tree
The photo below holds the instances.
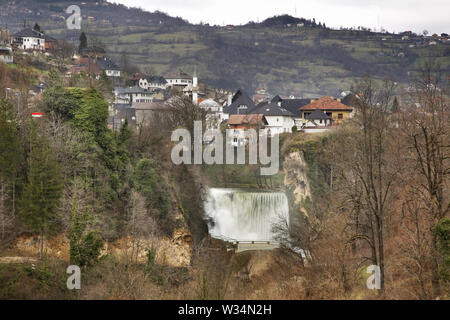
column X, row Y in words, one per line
column 426, row 124
column 367, row 160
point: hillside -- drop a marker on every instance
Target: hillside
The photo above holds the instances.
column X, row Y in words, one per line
column 284, row 54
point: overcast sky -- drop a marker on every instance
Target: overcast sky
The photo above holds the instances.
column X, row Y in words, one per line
column 393, row 15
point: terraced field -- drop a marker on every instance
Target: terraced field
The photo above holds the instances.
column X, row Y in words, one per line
column 302, row 61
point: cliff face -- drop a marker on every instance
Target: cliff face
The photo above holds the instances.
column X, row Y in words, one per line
column 295, row 180
column 175, row 251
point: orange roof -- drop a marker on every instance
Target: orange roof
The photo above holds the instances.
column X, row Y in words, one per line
column 252, row 119
column 326, row 103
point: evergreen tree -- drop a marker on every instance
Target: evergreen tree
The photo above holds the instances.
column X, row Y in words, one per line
column 11, row 156
column 92, row 115
column 64, row 102
column 122, row 150
column 37, row 27
column 146, row 177
column 84, row 247
column 442, row 232
column 83, row 42
column 43, row 190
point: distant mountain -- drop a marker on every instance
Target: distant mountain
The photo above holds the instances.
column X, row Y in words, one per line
column 284, row 54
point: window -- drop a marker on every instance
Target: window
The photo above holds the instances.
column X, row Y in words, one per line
column 340, row 116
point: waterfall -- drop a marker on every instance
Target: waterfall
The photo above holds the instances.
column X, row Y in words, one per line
column 241, row 215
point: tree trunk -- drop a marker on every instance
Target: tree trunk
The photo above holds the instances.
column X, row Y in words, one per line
column 380, row 252
column 41, row 245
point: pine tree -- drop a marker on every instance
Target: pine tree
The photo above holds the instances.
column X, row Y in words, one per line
column 122, row 150
column 84, row 246
column 43, row 190
column 92, row 115
column 83, row 42
column 146, row 177
column 10, row 159
column 37, row 27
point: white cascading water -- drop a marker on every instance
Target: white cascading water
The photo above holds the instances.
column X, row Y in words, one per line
column 242, row 215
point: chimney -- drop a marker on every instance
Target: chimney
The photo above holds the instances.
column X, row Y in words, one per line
column 279, row 103
column 230, row 98
column 312, row 100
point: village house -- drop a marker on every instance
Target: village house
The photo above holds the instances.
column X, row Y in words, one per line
column 150, row 112
column 152, row 82
column 120, row 114
column 279, row 120
column 334, row 108
column 111, row 69
column 293, row 106
column 50, row 43
column 29, row 39
column 239, row 123
column 215, row 115
column 178, row 79
column 240, row 103
column 317, row 121
column 85, row 65
column 5, row 37
column 132, row 95
column 260, row 96
column 6, row 55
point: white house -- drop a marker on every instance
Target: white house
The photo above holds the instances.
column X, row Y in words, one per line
column 178, row 78
column 318, row 119
column 111, row 69
column 152, row 82
column 29, row 39
column 215, row 115
column 279, row 120
column 132, row 95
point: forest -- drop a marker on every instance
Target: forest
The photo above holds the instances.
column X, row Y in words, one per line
column 113, row 203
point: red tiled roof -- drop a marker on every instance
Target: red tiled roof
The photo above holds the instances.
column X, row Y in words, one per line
column 326, row 103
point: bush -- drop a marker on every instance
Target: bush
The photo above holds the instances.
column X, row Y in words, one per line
column 145, row 177
column 442, row 231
